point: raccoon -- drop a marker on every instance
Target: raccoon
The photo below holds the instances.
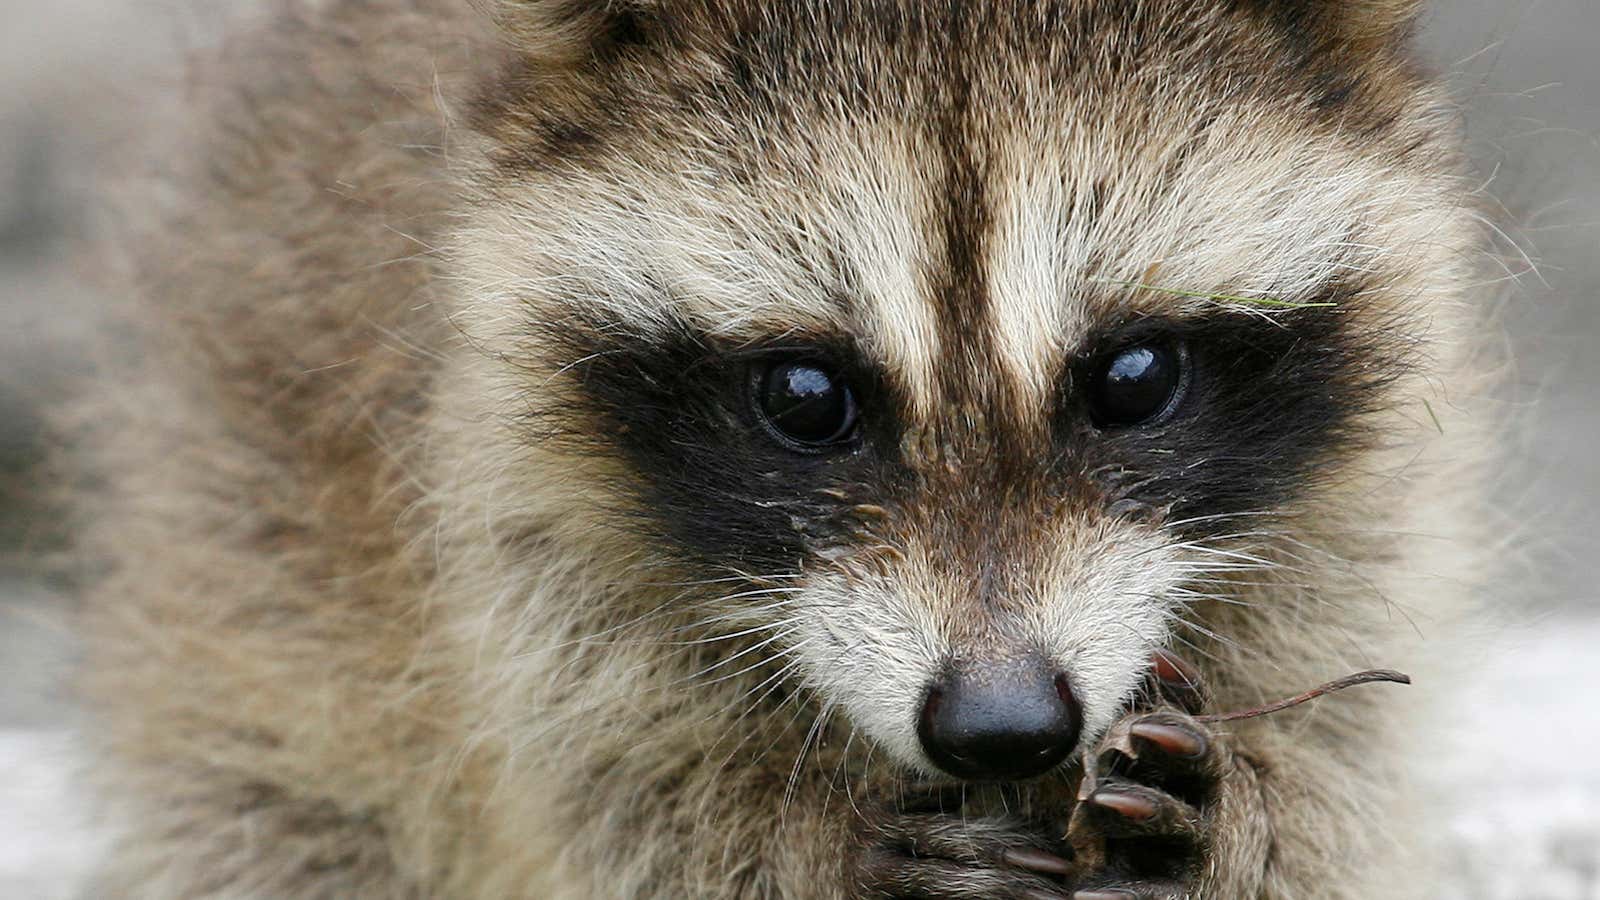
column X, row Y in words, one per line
column 820, row 449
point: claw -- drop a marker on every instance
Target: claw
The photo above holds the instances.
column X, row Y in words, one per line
column 1145, row 791
column 1037, row 861
column 1173, row 740
column 1178, row 682
column 1129, row 806
column 1174, row 670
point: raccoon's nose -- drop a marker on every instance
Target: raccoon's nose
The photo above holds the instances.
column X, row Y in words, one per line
column 1001, row 723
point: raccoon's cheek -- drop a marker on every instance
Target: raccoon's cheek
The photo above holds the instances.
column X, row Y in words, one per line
column 872, row 664
column 884, row 710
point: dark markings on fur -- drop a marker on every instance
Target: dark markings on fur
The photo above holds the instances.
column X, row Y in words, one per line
column 959, row 287
column 1329, row 90
column 626, row 28
column 1272, row 402
column 710, row 477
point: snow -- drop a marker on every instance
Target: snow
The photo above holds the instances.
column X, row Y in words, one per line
column 1529, row 735
column 46, row 843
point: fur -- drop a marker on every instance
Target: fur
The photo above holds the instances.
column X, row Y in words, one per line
column 436, row 557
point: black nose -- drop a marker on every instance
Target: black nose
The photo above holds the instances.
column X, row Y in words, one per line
column 1000, row 723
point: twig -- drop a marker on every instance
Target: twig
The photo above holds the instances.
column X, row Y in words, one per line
column 1372, row 677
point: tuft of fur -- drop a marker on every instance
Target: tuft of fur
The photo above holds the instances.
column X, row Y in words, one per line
column 432, row 560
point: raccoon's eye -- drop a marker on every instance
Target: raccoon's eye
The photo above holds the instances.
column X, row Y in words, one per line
column 1137, row 384
column 807, row 405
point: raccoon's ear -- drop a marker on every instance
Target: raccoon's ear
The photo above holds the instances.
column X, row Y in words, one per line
column 1364, row 22
column 557, row 31
column 1377, row 19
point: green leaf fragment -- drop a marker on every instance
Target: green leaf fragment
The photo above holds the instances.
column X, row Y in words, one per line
column 1432, row 415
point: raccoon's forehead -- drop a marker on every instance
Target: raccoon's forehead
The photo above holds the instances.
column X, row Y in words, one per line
column 942, row 191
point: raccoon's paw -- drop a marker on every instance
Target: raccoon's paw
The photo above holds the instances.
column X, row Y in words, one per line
column 939, row 856
column 1146, row 807
column 1151, row 793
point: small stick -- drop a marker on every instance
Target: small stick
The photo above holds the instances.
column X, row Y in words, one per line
column 1372, row 677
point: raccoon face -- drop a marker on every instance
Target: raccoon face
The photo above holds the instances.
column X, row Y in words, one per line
column 981, row 344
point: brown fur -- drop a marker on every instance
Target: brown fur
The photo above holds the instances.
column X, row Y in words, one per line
column 359, row 635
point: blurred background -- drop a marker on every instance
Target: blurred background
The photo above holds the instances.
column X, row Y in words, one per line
column 1526, row 824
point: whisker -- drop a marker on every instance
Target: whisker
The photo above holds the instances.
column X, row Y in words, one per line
column 755, row 648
